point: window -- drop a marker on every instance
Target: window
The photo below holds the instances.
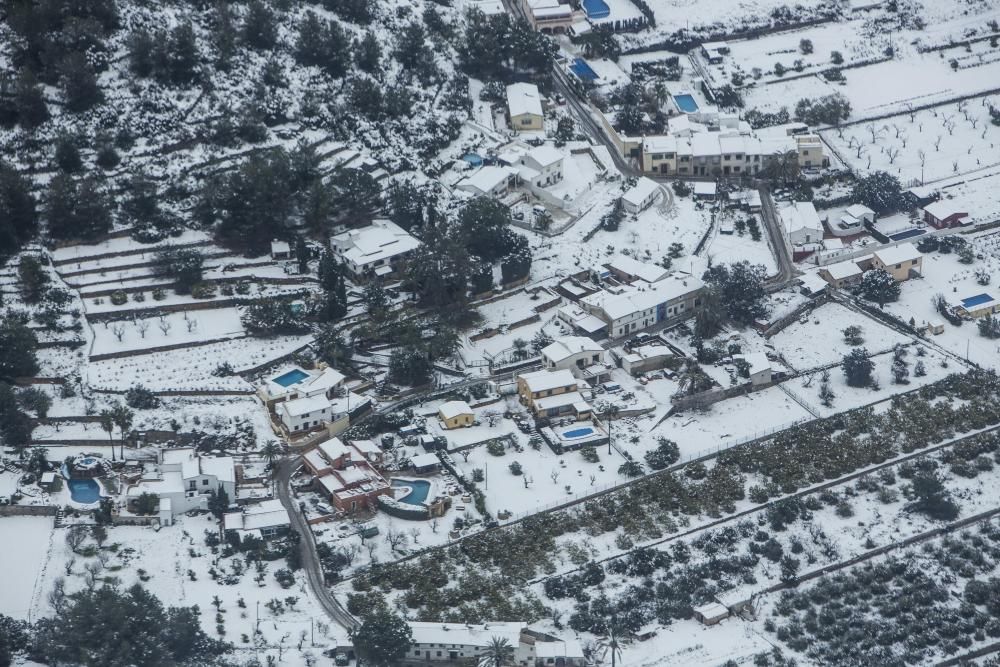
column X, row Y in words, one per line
column 204, row 482
column 899, row 266
column 657, row 156
column 669, row 156
column 685, row 158
column 913, row 262
column 524, row 121
column 192, row 485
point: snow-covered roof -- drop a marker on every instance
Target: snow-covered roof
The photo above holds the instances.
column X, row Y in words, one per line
column 366, row 446
column 944, row 208
column 278, row 247
column 859, row 211
column 486, row 179
column 568, row 648
column 581, row 319
column 323, row 381
column 923, row 191
column 333, row 449
column 268, row 514
column 638, row 193
column 833, row 244
column 705, row 188
column 904, row 252
column 633, row 267
column 463, row 634
column 801, row 215
column 453, row 409
column 305, row 405
column 573, row 398
column 543, row 156
column 711, row 610
column 382, row 240
column 424, row 460
column 758, row 362
column 547, row 380
column 843, row 270
column 637, row 299
column 222, row 468
column 567, row 346
column 524, row 98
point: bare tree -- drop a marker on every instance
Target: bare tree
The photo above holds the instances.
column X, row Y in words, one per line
column 950, row 126
column 527, row 480
column 142, row 326
column 68, row 565
column 434, row 525
column 415, row 534
column 593, row 478
column 860, row 151
column 892, row 153
column 395, row 538
column 922, row 156
column 164, row 326
column 912, row 113
column 371, row 546
column 350, row 552
column 954, row 166
column 904, row 139
column 57, row 596
column 554, row 474
column 937, row 143
column 897, row 129
column 75, row 537
column 874, row 131
column 191, row 324
column 92, row 571
column 118, row 329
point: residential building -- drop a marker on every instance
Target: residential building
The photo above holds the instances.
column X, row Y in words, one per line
column 802, row 223
column 579, row 320
column 705, row 190
column 640, row 196
column 345, row 474
column 298, row 382
column 714, row 52
column 314, row 412
column 902, row 261
column 424, row 464
column 547, row 164
column 378, row 250
column 185, row 479
column 629, row 270
column 549, row 16
column 524, row 107
column 945, row 213
column 490, row 181
column 637, row 307
column 761, row 370
column 842, row 274
column 552, row 393
column 861, row 213
column 979, row 305
column 464, row 644
column 639, row 359
column 455, row 414
column 583, row 357
column 266, row 520
column 920, row 195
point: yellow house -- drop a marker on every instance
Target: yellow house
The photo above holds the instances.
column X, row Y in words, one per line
column 552, row 393
column 524, row 106
column 900, row 261
column 455, row 414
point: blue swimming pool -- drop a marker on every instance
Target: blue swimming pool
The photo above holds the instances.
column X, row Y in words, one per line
column 686, row 103
column 574, row 433
column 584, row 71
column 976, row 300
column 291, row 377
column 419, row 489
column 84, row 491
column 596, row 9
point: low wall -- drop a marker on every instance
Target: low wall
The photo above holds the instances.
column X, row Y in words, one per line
column 28, row 510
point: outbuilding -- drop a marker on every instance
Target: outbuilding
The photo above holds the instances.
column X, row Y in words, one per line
column 455, row 414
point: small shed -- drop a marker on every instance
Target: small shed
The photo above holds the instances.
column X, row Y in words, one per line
column 455, row 414
column 47, row 481
column 711, row 613
column 703, row 190
column 760, row 368
column 425, row 463
column 280, row 250
column 428, row 442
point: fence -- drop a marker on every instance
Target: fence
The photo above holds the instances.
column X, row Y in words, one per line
column 28, row 510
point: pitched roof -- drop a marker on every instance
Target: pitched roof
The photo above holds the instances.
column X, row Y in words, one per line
column 464, row 634
column 637, row 194
column 544, row 155
column 547, row 380
column 453, row 409
column 567, row 346
column 523, row 98
column 801, row 215
column 904, row 252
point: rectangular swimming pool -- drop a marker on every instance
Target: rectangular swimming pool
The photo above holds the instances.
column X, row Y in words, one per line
column 686, row 103
column 293, row 376
column 584, row 71
column 977, row 300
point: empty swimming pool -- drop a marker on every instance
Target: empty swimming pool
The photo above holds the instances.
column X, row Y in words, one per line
column 291, row 377
column 686, row 103
column 419, row 490
column 575, row 433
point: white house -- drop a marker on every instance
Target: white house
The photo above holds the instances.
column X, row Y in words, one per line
column 760, row 368
column 265, row 520
column 490, row 181
column 280, row 250
column 802, row 223
column 583, row 357
column 299, row 383
column 376, row 250
column 842, row 274
column 547, row 163
column 640, row 196
column 637, row 307
column 312, row 412
column 465, row 643
column 524, row 106
column 185, row 479
column 629, row 270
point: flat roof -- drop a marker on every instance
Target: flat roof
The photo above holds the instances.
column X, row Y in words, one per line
column 424, row 460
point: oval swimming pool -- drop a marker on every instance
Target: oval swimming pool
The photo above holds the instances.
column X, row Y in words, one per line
column 84, row 491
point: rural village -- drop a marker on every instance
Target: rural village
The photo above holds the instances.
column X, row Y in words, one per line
column 500, row 333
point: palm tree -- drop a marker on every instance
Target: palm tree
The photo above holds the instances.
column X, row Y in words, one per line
column 123, row 418
column 271, row 451
column 612, row 640
column 520, row 348
column 108, row 424
column 499, row 653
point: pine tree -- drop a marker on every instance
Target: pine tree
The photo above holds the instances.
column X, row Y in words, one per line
column 140, row 53
column 368, row 53
column 260, row 27
column 18, row 213
column 79, row 83
column 184, row 55
column 67, row 155
column 32, row 110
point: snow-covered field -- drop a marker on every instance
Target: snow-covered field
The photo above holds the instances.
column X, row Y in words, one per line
column 30, row 540
column 169, row 329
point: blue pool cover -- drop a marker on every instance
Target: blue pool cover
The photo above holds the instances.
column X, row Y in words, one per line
column 596, row 9
column 976, row 300
column 291, row 377
column 583, row 70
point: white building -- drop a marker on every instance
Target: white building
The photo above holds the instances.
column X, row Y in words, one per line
column 760, row 368
column 463, row 643
column 640, row 196
column 185, row 479
column 299, row 383
column 312, row 412
column 802, row 223
column 265, row 520
column 490, row 181
column 637, row 307
column 376, row 250
column 547, row 164
column 629, row 270
column 583, row 357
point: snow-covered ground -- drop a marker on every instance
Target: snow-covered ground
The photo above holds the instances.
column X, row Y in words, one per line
column 31, row 540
